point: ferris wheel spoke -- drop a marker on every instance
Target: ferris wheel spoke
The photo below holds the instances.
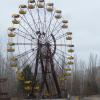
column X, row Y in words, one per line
column 32, row 62
column 48, row 27
column 26, row 22
column 55, row 28
column 25, row 44
column 57, row 31
column 55, row 35
column 62, row 59
column 44, row 18
column 51, row 19
column 26, row 29
column 60, row 45
column 35, row 24
column 59, row 53
column 25, row 53
column 23, row 36
column 23, row 32
column 39, row 18
column 25, row 62
column 62, row 55
column 59, row 37
column 34, row 31
column 58, row 64
column 62, row 51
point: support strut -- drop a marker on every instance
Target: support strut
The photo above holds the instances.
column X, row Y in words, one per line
column 44, row 76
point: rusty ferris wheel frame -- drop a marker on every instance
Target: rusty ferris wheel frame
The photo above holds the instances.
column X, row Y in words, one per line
column 40, row 30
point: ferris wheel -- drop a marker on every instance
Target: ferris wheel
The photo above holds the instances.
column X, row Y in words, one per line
column 39, row 37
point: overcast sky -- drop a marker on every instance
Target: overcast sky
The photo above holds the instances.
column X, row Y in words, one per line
column 83, row 15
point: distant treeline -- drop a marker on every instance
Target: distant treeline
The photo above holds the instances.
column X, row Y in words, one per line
column 84, row 81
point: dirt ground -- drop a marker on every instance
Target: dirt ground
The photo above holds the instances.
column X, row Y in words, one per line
column 73, row 98
column 86, row 98
column 91, row 98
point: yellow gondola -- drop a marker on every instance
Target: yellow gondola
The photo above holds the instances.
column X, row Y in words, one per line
column 15, row 21
column 70, row 50
column 31, row 6
column 62, row 78
column 11, row 44
column 70, row 57
column 68, row 38
column 11, row 34
column 28, row 88
column 49, row 9
column 69, row 33
column 67, row 74
column 50, row 4
column 58, row 11
column 41, row 0
column 70, row 45
column 20, row 76
column 37, row 87
column 13, row 59
column 31, row 1
column 11, row 29
column 22, row 12
column 13, row 65
column 64, row 26
column 46, row 94
column 22, row 6
column 28, row 82
column 15, row 15
column 65, row 21
column 70, row 63
column 67, row 69
column 22, row 9
column 58, row 16
column 10, row 49
column 40, row 4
